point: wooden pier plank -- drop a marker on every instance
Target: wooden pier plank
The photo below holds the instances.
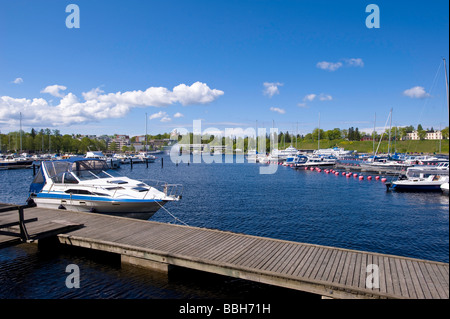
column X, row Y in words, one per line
column 297, row 265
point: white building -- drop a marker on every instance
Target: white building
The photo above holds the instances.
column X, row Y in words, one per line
column 430, row 135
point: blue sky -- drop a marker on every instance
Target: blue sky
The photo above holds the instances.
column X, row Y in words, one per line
column 229, row 63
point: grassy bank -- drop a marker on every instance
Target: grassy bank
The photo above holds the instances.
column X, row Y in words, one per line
column 425, row 146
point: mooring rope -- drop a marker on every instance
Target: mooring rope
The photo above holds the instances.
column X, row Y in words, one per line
column 173, row 216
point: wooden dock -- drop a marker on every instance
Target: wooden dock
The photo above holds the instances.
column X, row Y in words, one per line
column 15, row 229
column 327, row 271
column 374, row 170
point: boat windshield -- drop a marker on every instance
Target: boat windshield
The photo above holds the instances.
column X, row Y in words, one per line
column 83, row 170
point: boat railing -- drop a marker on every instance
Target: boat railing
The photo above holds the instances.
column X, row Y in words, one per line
column 171, row 190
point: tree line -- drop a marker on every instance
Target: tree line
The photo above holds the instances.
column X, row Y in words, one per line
column 52, row 141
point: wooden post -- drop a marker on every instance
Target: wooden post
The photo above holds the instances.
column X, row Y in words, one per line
column 131, row 163
column 23, row 231
column 162, row 162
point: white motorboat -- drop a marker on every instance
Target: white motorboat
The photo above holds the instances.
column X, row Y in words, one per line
column 88, row 185
column 283, row 154
column 424, row 160
column 314, row 161
column 112, row 162
column 384, row 163
column 422, row 178
column 444, row 188
column 10, row 161
column 124, row 159
column 335, row 151
column 143, row 157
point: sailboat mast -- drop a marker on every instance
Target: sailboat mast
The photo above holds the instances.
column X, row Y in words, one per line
column 390, row 128
column 446, row 84
column 145, row 149
column 20, row 132
column 318, row 140
column 374, row 132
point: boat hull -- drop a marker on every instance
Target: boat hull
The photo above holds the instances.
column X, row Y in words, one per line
column 416, row 187
column 140, row 209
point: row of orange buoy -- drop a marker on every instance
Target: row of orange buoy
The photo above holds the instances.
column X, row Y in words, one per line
column 346, row 174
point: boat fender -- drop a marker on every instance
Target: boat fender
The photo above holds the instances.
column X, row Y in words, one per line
column 30, row 201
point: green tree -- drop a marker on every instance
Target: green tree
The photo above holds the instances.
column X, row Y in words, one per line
column 445, row 133
column 422, row 133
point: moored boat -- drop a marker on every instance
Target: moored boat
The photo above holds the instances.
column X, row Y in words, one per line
column 444, row 188
column 89, row 185
column 422, row 178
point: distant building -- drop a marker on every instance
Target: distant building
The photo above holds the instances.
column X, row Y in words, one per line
column 119, row 141
column 430, row 135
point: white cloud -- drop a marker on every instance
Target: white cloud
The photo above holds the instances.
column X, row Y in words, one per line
column 54, row 90
column 309, row 97
column 358, row 62
column 197, row 93
column 330, row 66
column 18, row 81
column 178, row 115
column 325, row 97
column 158, row 115
column 416, row 92
column 166, row 119
column 277, row 109
column 98, row 105
column 271, row 88
column 333, row 66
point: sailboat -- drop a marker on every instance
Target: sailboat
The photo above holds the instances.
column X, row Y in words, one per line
column 385, row 162
column 425, row 178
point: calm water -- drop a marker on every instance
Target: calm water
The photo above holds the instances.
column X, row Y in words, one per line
column 301, row 206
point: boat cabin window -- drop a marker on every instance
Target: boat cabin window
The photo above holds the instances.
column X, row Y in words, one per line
column 70, row 179
column 119, row 181
column 140, row 189
column 114, row 188
column 78, row 191
column 58, row 178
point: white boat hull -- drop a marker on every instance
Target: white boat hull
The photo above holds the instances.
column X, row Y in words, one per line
column 136, row 209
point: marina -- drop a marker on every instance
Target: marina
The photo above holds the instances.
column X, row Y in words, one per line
column 235, row 157
column 211, row 216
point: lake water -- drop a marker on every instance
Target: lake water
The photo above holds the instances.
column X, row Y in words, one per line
column 290, row 204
